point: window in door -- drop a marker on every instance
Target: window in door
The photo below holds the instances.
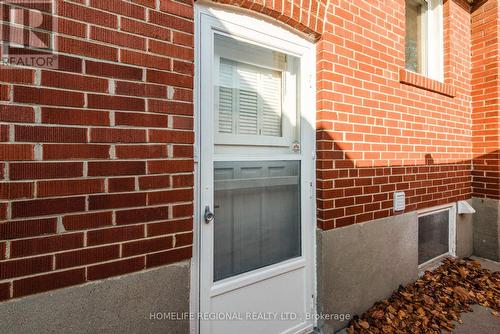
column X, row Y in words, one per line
column 256, row 94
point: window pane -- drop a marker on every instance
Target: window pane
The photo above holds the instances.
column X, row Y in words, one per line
column 415, row 41
column 250, row 87
column 257, row 215
column 433, row 236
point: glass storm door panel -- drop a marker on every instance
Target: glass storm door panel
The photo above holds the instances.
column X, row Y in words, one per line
column 255, row 176
column 257, row 210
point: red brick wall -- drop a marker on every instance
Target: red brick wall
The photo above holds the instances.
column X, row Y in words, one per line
column 485, row 98
column 377, row 135
column 97, row 178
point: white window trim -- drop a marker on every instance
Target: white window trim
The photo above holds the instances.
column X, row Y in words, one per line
column 452, row 235
column 434, row 41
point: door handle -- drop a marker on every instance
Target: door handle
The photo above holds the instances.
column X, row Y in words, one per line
column 209, row 216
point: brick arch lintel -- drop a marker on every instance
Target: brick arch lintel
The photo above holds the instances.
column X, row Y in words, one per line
column 309, row 21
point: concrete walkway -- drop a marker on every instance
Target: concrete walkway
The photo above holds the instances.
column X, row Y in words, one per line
column 481, row 321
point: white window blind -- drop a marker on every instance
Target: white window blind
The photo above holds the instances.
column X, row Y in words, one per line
column 250, row 99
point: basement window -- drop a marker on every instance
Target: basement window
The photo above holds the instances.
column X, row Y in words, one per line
column 436, row 234
column 424, row 38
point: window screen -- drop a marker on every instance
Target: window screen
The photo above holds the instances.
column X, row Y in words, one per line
column 433, row 235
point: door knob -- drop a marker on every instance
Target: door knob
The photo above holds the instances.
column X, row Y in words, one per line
column 209, row 216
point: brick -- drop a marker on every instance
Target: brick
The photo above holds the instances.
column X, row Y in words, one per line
column 18, row 114
column 182, row 181
column 43, row 207
column 171, row 136
column 141, row 215
column 145, row 60
column 74, row 82
column 105, row 135
column 13, row 152
column 171, row 21
column 86, row 14
column 50, row 134
column 72, row 28
column 182, row 210
column 117, row 38
column 120, row 7
column 87, row 256
column 87, row 49
column 171, row 256
column 3, row 248
column 141, row 151
column 23, row 267
column 99, row 202
column 113, row 70
column 183, row 123
column 184, row 239
column 171, row 50
column 16, row 190
column 141, row 120
column 115, row 102
column 170, row 196
column 69, row 187
column 48, row 282
column 75, row 116
column 77, row 151
column 87, row 221
column 4, row 291
column 42, row 170
column 183, row 67
column 115, row 234
column 182, row 38
column 169, row 227
column 114, row 168
column 147, row 246
column 44, row 96
column 176, row 8
column 167, row 78
column 36, row 246
column 154, row 182
column 16, row 75
column 183, row 151
column 172, row 108
column 145, row 29
column 121, row 184
column 27, row 228
column 115, row 268
column 170, row 166
column 140, row 89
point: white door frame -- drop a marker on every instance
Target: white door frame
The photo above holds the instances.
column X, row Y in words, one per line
column 279, row 37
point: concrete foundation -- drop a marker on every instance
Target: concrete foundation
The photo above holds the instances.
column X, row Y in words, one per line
column 465, row 234
column 363, row 263
column 116, row 305
column 486, row 228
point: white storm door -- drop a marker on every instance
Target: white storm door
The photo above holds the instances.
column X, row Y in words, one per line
column 256, row 177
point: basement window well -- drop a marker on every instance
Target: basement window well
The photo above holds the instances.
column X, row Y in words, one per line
column 436, row 234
